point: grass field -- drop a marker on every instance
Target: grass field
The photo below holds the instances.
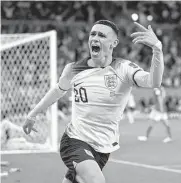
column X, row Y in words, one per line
column 134, row 162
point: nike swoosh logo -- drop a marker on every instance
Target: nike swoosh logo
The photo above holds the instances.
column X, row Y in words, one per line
column 77, row 84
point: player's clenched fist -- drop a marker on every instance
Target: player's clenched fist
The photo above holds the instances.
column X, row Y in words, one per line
column 28, row 125
column 146, row 36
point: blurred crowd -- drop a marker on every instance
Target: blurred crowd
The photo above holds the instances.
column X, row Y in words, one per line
column 171, row 103
column 73, row 19
column 89, row 11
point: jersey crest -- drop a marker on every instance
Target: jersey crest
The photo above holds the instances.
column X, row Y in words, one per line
column 111, row 81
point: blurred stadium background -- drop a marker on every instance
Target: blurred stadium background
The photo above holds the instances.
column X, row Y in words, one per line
column 72, row 21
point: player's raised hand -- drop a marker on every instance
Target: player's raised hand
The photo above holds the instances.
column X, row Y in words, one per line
column 145, row 36
column 28, row 125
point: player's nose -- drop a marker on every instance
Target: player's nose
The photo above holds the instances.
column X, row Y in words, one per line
column 95, row 38
column 94, row 41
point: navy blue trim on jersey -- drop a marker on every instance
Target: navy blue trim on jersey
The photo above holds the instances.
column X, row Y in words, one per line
column 83, row 65
column 134, row 79
column 115, row 143
column 61, row 88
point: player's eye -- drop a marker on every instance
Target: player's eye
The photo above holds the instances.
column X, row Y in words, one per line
column 92, row 33
column 102, row 35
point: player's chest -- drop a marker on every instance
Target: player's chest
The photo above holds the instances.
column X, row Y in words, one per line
column 104, row 86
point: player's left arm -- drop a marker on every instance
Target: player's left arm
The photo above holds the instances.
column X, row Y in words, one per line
column 153, row 78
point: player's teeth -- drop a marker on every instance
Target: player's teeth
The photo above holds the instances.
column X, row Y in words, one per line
column 95, row 53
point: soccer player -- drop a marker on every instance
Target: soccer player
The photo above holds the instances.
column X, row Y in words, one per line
column 101, row 85
column 158, row 114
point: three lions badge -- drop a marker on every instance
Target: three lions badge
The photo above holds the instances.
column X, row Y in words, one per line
column 111, row 83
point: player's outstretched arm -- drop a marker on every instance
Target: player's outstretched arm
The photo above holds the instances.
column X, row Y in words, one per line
column 52, row 96
column 154, row 77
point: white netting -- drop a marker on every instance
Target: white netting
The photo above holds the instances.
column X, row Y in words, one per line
column 25, row 78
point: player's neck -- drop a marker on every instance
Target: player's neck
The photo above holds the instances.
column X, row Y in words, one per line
column 100, row 62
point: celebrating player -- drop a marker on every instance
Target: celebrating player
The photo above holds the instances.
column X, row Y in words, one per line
column 101, row 86
column 158, row 114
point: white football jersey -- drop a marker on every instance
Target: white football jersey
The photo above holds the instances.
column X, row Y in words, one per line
column 99, row 98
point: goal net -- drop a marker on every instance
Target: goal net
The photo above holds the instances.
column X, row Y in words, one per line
column 28, row 71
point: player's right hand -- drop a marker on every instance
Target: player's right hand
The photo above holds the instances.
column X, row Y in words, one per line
column 28, row 125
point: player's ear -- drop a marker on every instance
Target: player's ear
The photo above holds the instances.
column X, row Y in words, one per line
column 115, row 43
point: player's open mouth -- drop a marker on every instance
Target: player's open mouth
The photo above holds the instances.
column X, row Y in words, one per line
column 95, row 49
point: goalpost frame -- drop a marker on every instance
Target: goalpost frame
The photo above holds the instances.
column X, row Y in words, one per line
column 53, row 80
column 53, row 75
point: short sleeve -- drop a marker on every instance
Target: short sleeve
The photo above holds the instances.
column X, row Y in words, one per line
column 65, row 78
column 67, row 71
column 132, row 69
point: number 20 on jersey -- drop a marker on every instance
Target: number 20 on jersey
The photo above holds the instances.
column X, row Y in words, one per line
column 80, row 95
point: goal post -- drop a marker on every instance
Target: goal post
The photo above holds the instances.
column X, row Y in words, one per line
column 28, row 71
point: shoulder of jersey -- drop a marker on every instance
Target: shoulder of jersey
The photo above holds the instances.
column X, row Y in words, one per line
column 121, row 61
column 80, row 66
